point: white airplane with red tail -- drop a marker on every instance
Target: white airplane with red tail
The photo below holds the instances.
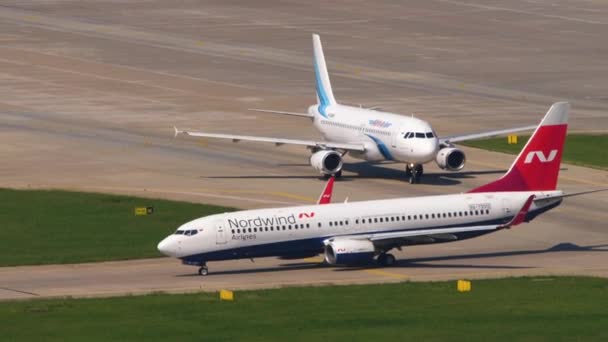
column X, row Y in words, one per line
column 361, row 232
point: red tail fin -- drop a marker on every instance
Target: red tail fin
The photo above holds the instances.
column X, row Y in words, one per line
column 537, row 166
column 325, row 197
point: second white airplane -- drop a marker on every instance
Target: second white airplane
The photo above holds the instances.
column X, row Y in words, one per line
column 366, row 134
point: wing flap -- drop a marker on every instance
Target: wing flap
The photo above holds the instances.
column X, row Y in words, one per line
column 429, row 232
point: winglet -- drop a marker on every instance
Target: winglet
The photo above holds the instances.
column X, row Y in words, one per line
column 176, row 131
column 521, row 215
column 325, row 197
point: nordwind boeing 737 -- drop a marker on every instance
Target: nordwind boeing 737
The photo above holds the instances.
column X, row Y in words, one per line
column 366, row 134
column 360, row 232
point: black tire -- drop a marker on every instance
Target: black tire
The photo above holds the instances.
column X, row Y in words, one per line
column 389, row 260
column 408, row 171
column 203, row 271
column 381, row 259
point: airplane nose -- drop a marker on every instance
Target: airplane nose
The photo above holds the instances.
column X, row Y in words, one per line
column 166, row 247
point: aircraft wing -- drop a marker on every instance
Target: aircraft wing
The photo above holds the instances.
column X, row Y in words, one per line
column 276, row 141
column 448, row 233
column 473, row 136
column 305, row 115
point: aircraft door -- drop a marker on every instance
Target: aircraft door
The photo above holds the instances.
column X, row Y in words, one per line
column 221, row 236
column 396, row 134
column 506, row 207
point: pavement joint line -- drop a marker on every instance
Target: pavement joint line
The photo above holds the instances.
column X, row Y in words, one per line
column 175, row 192
column 576, row 180
column 19, row 291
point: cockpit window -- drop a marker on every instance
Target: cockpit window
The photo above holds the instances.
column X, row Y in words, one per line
column 419, row 135
column 193, row 232
column 179, row 232
column 429, row 134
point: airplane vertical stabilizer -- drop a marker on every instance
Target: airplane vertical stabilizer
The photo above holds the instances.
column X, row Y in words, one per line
column 325, row 96
column 537, row 166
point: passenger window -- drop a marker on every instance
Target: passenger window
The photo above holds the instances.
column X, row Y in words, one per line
column 319, row 224
column 432, row 215
column 409, row 217
column 427, row 216
column 308, row 225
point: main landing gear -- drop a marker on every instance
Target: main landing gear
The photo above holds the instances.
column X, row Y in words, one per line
column 386, row 259
column 203, row 270
column 414, row 172
column 337, row 175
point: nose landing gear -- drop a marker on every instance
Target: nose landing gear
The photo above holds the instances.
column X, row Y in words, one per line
column 414, row 172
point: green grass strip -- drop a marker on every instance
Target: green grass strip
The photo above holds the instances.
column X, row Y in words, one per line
column 48, row 227
column 580, row 149
column 516, row 309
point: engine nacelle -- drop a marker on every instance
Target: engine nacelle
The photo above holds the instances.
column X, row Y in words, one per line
column 327, row 162
column 349, row 252
column 450, row 158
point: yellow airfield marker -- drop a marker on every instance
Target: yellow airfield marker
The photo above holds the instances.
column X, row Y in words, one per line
column 226, row 295
column 463, row 285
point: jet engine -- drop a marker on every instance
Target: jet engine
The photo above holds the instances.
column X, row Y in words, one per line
column 327, row 162
column 349, row 252
column 450, row 158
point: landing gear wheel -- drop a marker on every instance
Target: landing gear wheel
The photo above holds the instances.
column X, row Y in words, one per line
column 389, row 260
column 338, row 174
column 386, row 259
column 408, row 171
column 203, row 270
column 415, row 173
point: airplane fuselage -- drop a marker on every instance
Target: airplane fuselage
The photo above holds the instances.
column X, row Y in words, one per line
column 386, row 136
column 302, row 230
